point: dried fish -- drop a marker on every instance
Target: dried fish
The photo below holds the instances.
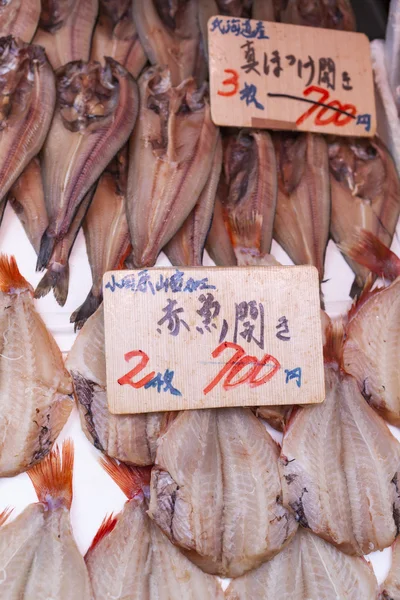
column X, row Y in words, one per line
column 235, row 8
column 131, row 559
column 392, row 51
column 391, row 586
column 308, row 569
column 171, row 154
column 35, row 388
column 27, row 98
column 65, row 30
column 266, row 10
column 221, row 505
column 115, row 35
column 96, row 111
column 186, row 248
column 218, row 242
column 130, row 438
column 340, row 464
column 365, row 191
column 19, row 18
column 39, row 557
column 330, row 14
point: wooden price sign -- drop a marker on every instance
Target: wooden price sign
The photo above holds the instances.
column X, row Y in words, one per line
column 276, row 76
column 203, row 338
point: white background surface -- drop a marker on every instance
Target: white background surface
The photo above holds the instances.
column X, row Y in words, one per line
column 95, row 494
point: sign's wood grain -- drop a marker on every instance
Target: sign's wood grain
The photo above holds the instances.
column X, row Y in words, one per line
column 277, row 76
column 200, row 337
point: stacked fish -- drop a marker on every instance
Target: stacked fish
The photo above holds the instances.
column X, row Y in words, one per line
column 141, row 167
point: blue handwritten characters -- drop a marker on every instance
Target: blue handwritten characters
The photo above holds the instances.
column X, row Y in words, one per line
column 239, row 27
column 364, row 120
column 209, row 310
column 248, row 315
column 163, row 380
column 294, row 374
column 172, row 318
column 248, row 95
column 283, row 333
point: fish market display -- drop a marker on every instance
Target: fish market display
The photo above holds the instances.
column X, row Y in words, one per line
column 266, row 10
column 365, row 190
column 307, row 569
column 131, row 559
column 95, row 113
column 35, row 388
column 19, row 18
column 392, row 50
column 115, row 35
column 65, row 30
column 330, row 14
column 235, row 8
column 218, row 242
column 130, row 438
column 171, row 154
column 391, row 585
column 340, row 465
column 27, row 97
column 39, row 557
column 221, row 504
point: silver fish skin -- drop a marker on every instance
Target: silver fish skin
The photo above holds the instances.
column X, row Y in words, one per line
column 27, row 99
column 129, row 438
column 330, row 14
column 170, row 159
column 115, row 35
column 35, row 388
column 19, row 18
column 95, row 114
column 65, row 30
column 390, row 589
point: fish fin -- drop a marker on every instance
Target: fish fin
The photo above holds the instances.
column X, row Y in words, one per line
column 52, row 477
column 333, row 348
column 106, row 527
column 131, row 480
column 10, row 276
column 369, row 251
column 47, row 244
column 366, row 293
column 58, row 280
column 5, row 514
column 90, row 305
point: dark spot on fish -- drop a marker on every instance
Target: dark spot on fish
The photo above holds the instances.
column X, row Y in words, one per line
column 365, row 393
column 85, row 391
column 45, row 441
column 396, row 504
column 385, row 596
column 290, row 478
column 298, row 510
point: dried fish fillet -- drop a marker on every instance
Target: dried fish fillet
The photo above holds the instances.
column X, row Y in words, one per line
column 235, row 8
column 330, row 14
column 307, row 569
column 39, row 557
column 95, row 114
column 27, row 98
column 130, row 438
column 19, row 18
column 266, row 10
column 131, row 559
column 171, row 156
column 222, row 504
column 115, row 35
column 35, row 388
column 65, row 30
column 340, row 465
column 391, row 586
column 218, row 242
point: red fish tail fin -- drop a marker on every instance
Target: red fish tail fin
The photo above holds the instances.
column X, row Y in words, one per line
column 366, row 293
column 52, row 477
column 333, row 348
column 370, row 252
column 11, row 279
column 106, row 527
column 131, row 480
column 5, row 514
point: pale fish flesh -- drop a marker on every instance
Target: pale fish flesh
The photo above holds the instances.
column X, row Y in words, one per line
column 19, row 18
column 391, row 586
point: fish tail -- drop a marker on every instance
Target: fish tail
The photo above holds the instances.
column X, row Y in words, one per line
column 56, row 278
column 333, row 348
column 131, row 480
column 90, row 305
column 52, row 477
column 106, row 527
column 46, row 250
column 10, row 276
column 370, row 252
column 5, row 514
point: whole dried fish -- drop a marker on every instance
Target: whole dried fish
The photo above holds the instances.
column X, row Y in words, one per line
column 35, row 388
column 218, row 242
column 130, row 438
column 391, row 586
column 131, row 559
column 307, row 569
column 39, row 557
column 330, row 14
column 19, row 18
column 186, row 248
column 303, row 208
column 365, row 191
column 115, row 35
column 27, row 98
column 170, row 158
column 222, row 504
column 340, row 465
column 65, row 30
column 95, row 114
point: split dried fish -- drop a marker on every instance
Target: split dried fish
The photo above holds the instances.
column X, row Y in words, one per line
column 340, row 465
column 65, row 30
column 391, row 585
column 115, row 35
column 170, row 159
column 308, row 569
column 218, row 242
column 39, row 557
column 235, row 8
column 19, row 18
column 130, row 438
column 266, row 10
column 131, row 559
column 222, row 504
column 27, row 98
column 303, row 208
column 365, row 190
column 330, row 14
column 95, row 114
column 35, row 388
column 186, row 248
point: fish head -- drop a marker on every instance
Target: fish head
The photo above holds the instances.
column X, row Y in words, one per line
column 291, row 159
column 54, row 13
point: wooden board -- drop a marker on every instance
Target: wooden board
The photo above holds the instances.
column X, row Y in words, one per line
column 200, row 337
column 277, row 76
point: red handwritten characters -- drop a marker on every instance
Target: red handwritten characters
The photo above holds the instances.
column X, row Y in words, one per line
column 128, row 378
column 337, row 117
column 232, row 81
